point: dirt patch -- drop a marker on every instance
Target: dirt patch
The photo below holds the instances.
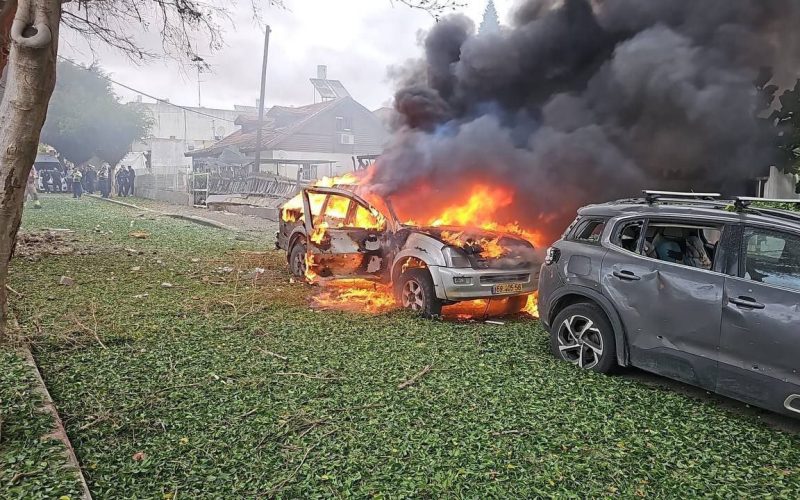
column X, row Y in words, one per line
column 34, row 245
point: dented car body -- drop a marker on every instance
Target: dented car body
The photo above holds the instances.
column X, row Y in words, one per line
column 693, row 291
column 347, row 237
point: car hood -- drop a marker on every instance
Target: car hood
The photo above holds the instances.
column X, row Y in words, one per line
column 485, row 248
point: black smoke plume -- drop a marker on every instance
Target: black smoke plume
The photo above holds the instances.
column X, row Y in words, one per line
column 582, row 101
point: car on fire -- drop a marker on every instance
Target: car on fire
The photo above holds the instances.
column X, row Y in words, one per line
column 428, row 267
column 683, row 285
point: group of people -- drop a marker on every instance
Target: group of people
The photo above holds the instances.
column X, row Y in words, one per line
column 126, row 181
column 81, row 179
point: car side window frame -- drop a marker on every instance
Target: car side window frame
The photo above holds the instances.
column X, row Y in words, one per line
column 742, row 258
column 715, row 268
column 617, row 230
column 583, row 224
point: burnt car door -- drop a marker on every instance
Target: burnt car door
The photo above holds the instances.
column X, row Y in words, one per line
column 760, row 341
column 348, row 238
column 668, row 287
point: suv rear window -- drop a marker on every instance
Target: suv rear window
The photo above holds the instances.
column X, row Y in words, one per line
column 588, row 231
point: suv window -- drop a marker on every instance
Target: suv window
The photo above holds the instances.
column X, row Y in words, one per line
column 589, row 231
column 629, row 235
column 772, row 257
column 689, row 244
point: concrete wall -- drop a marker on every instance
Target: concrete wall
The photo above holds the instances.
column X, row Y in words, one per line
column 780, row 185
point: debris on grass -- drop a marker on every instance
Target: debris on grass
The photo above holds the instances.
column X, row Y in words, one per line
column 139, row 235
column 66, row 281
column 416, row 378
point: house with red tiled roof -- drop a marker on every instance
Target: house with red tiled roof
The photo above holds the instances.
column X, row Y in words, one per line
column 331, row 132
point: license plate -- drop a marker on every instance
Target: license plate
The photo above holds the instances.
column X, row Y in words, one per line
column 504, row 288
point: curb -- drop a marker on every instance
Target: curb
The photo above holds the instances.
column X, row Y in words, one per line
column 191, row 218
column 59, row 432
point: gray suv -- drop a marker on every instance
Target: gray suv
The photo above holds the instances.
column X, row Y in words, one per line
column 683, row 285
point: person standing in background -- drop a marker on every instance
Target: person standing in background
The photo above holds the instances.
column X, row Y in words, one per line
column 131, row 181
column 69, row 169
column 89, row 179
column 77, row 187
column 31, row 188
column 46, row 181
column 56, row 180
column 104, row 181
column 122, row 182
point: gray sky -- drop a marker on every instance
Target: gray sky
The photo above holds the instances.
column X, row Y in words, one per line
column 357, row 39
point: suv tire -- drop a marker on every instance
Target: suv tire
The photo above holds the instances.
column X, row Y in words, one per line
column 415, row 292
column 297, row 259
column 582, row 335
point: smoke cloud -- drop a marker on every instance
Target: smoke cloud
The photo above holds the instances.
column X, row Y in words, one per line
column 583, row 101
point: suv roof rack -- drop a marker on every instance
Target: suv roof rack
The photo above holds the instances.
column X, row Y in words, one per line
column 651, row 196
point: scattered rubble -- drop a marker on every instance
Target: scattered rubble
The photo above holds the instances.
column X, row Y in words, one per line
column 33, row 245
column 66, row 281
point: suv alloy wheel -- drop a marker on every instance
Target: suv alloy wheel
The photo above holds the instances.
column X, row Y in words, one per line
column 582, row 335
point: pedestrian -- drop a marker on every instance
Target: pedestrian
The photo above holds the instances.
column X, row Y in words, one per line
column 55, row 178
column 122, row 182
column 68, row 178
column 31, row 190
column 77, row 187
column 104, row 181
column 92, row 179
column 46, row 181
column 131, row 181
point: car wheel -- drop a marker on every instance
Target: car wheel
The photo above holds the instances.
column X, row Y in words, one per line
column 581, row 334
column 297, row 260
column 416, row 293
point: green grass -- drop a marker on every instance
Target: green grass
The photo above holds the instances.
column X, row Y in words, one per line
column 190, row 379
column 30, row 466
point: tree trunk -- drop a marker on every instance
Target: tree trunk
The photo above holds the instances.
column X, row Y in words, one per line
column 30, row 81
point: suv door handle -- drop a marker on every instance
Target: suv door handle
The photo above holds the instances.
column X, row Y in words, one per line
column 747, row 302
column 626, row 275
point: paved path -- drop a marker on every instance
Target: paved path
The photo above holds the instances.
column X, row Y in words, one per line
column 239, row 222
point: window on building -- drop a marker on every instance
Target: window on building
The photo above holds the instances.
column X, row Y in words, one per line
column 344, row 124
column 772, row 257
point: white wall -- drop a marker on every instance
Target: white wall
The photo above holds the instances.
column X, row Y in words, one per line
column 780, row 185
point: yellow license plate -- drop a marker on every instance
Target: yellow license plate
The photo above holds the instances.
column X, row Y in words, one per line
column 504, row 288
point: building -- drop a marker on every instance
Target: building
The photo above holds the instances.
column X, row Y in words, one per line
column 160, row 160
column 327, row 136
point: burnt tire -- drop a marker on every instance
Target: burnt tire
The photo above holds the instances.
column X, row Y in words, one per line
column 415, row 292
column 297, row 259
column 582, row 335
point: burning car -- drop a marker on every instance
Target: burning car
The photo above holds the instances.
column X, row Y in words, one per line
column 347, row 237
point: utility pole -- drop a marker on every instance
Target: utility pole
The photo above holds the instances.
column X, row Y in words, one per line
column 259, row 131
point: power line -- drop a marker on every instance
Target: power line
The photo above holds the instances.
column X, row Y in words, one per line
column 165, row 101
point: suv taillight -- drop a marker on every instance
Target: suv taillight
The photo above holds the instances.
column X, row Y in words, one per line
column 552, row 255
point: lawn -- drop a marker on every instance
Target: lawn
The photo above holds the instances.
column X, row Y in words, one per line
column 225, row 384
